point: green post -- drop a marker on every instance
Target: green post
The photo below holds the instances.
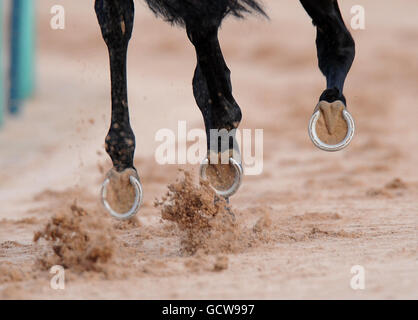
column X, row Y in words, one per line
column 28, row 48
column 2, row 98
column 22, row 77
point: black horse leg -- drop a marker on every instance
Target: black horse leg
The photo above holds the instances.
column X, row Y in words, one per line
column 336, row 51
column 213, row 93
column 212, row 84
column 116, row 21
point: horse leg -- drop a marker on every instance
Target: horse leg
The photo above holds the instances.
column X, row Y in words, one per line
column 213, row 93
column 116, row 20
column 331, row 126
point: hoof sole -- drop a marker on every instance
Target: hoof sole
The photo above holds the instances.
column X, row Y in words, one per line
column 122, row 192
column 331, row 127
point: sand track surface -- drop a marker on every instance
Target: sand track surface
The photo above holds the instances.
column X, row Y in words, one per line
column 300, row 226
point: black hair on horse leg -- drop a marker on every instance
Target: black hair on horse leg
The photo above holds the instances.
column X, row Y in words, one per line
column 116, row 21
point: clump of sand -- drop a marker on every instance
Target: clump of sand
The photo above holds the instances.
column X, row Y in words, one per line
column 204, row 263
column 12, row 273
column 263, row 223
column 396, row 184
column 80, row 241
column 389, row 190
column 221, row 263
column 204, row 219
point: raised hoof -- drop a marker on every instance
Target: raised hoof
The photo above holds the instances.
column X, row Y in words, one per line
column 331, row 127
column 122, row 193
column 225, row 180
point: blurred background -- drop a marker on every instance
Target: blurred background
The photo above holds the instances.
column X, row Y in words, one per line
column 56, row 87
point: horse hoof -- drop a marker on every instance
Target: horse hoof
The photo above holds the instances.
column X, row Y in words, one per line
column 331, row 127
column 118, row 178
column 231, row 190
